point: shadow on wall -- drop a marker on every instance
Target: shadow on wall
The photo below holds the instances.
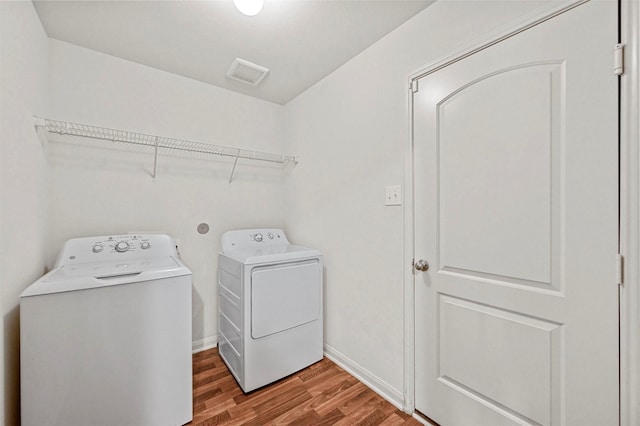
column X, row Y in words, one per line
column 12, row 366
column 88, row 154
column 324, row 304
column 197, row 314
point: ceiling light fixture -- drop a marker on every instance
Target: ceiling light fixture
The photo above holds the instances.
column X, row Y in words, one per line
column 249, row 7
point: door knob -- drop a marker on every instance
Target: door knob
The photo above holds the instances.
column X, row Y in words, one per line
column 422, row 265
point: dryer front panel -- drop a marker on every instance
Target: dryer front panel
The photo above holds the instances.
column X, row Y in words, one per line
column 284, row 296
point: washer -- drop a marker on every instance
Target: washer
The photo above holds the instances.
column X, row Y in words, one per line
column 270, row 305
column 105, row 337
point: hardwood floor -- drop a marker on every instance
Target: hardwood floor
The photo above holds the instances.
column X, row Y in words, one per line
column 322, row 394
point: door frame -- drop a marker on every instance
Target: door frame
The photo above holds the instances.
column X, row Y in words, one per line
column 630, row 214
column 629, row 200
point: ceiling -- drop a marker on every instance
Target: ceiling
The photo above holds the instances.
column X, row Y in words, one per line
column 300, row 41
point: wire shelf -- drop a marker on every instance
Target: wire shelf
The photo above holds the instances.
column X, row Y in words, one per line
column 45, row 125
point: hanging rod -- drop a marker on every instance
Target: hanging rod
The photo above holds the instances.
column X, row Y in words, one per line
column 156, row 142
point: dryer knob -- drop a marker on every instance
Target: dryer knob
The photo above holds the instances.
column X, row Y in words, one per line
column 97, row 248
column 122, row 246
column 145, row 245
column 258, row 237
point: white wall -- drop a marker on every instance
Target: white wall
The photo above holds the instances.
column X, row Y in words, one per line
column 23, row 170
column 351, row 133
column 96, row 191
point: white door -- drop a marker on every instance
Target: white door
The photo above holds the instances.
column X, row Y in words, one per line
column 516, row 198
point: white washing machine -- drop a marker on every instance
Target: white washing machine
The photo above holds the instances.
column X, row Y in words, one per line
column 270, row 306
column 105, row 337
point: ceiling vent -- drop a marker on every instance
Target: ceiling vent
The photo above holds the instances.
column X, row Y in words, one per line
column 247, row 72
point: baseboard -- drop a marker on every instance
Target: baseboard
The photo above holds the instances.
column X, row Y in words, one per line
column 376, row 384
column 204, row 344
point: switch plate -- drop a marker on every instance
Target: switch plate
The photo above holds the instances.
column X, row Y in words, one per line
column 393, row 195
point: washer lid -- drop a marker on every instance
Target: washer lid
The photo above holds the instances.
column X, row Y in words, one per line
column 271, row 253
column 85, row 276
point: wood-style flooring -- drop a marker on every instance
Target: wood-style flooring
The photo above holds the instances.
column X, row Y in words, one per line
column 322, row 394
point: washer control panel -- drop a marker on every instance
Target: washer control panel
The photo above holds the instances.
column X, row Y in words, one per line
column 122, row 244
column 116, row 247
column 247, row 238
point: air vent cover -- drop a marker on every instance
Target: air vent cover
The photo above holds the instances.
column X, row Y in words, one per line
column 247, row 72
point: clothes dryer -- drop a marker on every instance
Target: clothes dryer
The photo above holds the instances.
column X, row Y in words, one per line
column 270, row 306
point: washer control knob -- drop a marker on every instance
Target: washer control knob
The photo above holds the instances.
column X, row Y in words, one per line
column 270, row 236
column 145, row 245
column 122, row 246
column 258, row 237
column 97, row 248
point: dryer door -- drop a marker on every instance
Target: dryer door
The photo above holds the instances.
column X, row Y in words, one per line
column 284, row 296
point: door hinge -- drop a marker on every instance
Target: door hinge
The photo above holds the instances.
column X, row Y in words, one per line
column 618, row 59
column 619, row 269
column 414, row 86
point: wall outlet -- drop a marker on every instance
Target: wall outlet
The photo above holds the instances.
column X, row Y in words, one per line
column 393, row 195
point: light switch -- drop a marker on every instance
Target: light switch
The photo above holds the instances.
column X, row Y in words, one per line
column 393, row 195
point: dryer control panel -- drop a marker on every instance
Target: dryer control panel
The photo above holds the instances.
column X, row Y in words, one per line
column 116, row 247
column 248, row 238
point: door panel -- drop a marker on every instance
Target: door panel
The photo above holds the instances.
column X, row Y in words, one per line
column 520, row 350
column 516, row 186
column 486, row 206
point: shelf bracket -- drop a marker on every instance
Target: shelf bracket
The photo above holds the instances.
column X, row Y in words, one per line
column 290, row 163
column 233, row 170
column 155, row 156
column 39, row 124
